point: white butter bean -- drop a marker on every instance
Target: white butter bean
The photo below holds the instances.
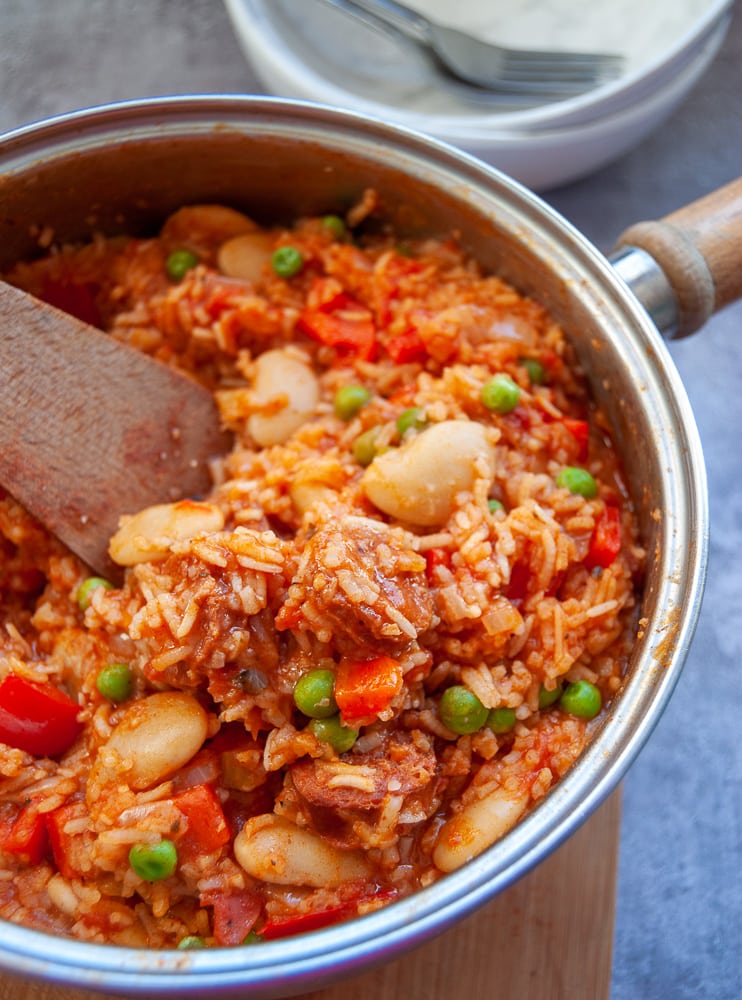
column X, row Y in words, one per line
column 150, row 533
column 418, row 482
column 155, row 737
column 286, row 391
column 476, row 827
column 245, row 256
column 204, row 228
column 272, row 849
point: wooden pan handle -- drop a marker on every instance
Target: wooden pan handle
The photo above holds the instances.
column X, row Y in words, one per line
column 699, row 248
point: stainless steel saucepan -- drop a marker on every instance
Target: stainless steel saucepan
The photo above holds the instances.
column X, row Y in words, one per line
column 124, row 168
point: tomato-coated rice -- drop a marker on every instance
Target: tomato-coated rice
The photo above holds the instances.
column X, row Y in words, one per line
column 446, row 559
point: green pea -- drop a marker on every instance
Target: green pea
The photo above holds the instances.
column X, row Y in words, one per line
column 495, row 504
column 536, row 371
column 87, row 587
column 364, row 446
column 412, row 418
column 578, row 481
column 114, row 681
column 547, row 696
column 500, row 394
column 191, row 942
column 341, row 738
column 154, row 862
column 335, row 225
column 253, row 938
column 501, row 720
column 179, row 263
column 582, row 699
column 461, row 711
column 314, row 694
column 287, row 261
column 349, row 399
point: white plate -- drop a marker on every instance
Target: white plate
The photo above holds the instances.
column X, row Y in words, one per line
column 569, row 140
column 312, row 50
column 546, row 158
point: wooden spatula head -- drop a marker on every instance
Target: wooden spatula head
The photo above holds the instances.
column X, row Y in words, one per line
column 91, row 429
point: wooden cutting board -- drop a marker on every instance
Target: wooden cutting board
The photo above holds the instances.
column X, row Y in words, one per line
column 548, row 937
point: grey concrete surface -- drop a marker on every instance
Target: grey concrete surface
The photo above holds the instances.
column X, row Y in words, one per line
column 679, row 918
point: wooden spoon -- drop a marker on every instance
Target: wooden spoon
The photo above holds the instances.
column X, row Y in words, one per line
column 91, row 429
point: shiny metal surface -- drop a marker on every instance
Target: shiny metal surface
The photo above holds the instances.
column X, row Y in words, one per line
column 134, row 163
column 649, row 284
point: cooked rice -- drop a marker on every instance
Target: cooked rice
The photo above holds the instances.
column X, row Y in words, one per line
column 309, row 573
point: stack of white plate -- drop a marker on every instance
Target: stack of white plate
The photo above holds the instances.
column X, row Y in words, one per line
column 309, row 49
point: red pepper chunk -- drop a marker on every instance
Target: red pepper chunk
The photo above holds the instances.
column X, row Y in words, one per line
column 28, row 838
column 605, row 543
column 580, row 431
column 406, row 348
column 37, row 718
column 208, row 829
column 235, row 914
column 340, row 321
column 365, row 688
column 68, row 849
column 304, row 922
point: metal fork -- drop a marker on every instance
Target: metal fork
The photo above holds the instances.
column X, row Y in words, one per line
column 492, row 67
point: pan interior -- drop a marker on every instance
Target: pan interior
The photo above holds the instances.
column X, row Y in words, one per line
column 124, row 169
